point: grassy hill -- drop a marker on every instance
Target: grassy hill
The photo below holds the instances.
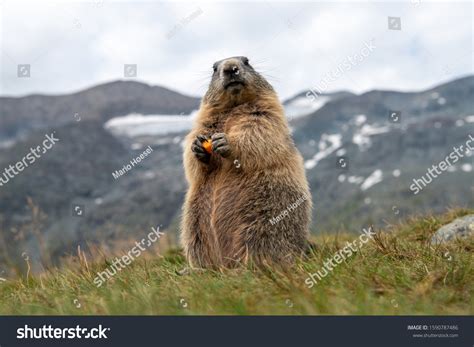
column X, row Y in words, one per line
column 397, row 272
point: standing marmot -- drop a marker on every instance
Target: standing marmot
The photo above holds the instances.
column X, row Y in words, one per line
column 248, row 199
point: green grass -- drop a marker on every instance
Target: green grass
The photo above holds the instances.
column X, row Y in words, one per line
column 397, row 273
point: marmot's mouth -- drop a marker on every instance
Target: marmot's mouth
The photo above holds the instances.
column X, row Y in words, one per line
column 234, row 84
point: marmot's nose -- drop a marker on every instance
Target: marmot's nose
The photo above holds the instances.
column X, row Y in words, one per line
column 231, row 70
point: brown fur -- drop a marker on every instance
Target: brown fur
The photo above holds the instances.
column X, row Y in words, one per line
column 230, row 200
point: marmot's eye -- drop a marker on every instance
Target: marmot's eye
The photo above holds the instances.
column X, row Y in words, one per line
column 246, row 61
column 214, row 67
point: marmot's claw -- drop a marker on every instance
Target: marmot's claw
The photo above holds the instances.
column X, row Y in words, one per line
column 202, row 138
column 220, row 144
column 217, row 136
column 199, row 150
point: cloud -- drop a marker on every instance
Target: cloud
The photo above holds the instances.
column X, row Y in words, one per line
column 75, row 46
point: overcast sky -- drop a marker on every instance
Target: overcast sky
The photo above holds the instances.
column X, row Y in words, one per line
column 72, row 46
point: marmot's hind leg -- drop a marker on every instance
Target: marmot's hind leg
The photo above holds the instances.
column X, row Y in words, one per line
column 199, row 243
column 197, row 250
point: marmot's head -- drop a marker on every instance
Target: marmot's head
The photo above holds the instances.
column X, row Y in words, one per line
column 234, row 81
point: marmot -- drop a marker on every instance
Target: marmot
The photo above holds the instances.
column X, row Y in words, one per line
column 248, row 198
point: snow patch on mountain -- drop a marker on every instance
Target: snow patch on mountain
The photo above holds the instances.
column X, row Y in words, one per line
column 135, row 124
column 362, row 137
column 360, row 119
column 466, row 167
column 327, row 145
column 374, row 178
column 355, row 179
column 303, row 106
column 7, row 144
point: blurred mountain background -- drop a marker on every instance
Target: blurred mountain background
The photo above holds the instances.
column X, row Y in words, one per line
column 360, row 161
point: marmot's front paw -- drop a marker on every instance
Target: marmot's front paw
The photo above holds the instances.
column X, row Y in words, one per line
column 220, row 144
column 198, row 149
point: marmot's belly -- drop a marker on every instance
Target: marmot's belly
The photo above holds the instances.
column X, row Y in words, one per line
column 238, row 206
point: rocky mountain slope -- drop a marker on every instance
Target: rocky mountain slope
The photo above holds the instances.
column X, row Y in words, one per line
column 100, row 103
